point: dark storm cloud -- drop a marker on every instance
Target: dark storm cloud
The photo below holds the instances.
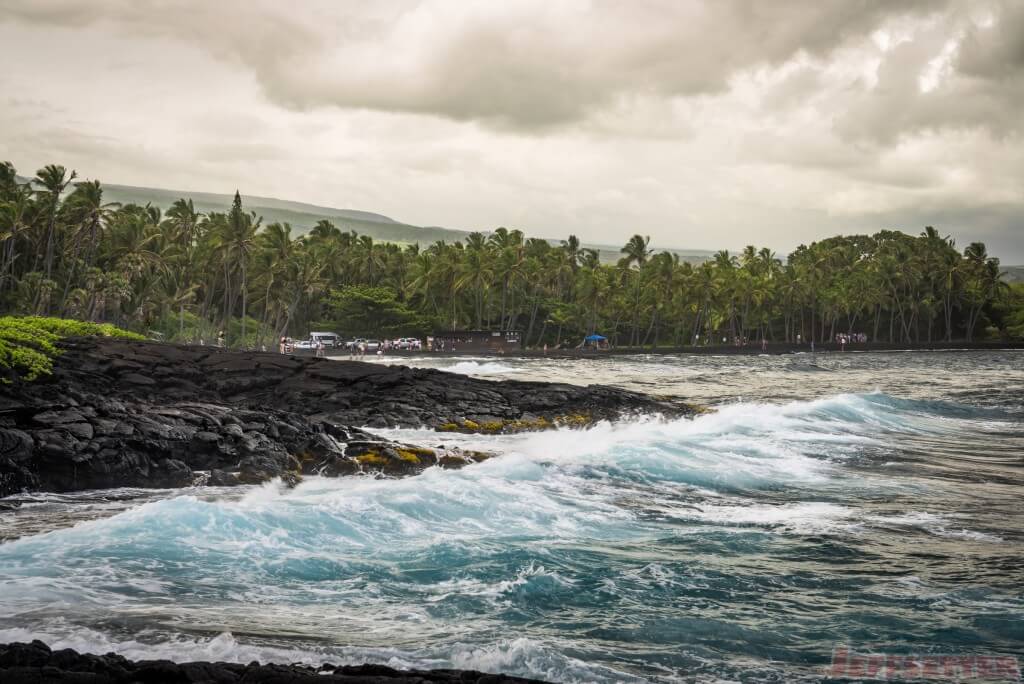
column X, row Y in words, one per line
column 521, row 65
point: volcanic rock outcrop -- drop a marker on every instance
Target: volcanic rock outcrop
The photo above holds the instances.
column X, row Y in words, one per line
column 118, row 413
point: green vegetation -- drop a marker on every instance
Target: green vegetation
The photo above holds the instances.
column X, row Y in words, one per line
column 1009, row 312
column 187, row 275
column 28, row 344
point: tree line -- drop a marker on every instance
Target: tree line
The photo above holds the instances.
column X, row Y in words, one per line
column 187, row 275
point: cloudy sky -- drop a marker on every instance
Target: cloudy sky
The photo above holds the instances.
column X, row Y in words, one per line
column 703, row 124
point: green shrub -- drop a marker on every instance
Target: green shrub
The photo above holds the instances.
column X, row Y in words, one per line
column 28, row 344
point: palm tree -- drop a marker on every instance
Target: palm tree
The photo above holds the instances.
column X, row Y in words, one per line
column 54, row 180
column 89, row 215
column 477, row 272
column 240, row 238
column 14, row 222
column 636, row 252
column 508, row 245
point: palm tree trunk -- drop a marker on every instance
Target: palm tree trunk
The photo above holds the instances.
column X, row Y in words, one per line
column 504, row 296
column 244, row 290
column 634, row 338
column 533, row 319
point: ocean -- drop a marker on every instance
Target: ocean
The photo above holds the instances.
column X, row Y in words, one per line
column 860, row 501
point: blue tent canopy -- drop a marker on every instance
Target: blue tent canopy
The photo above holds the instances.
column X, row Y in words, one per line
column 595, row 338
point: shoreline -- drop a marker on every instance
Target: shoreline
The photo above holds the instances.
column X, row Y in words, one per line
column 773, row 349
column 147, row 414
column 36, row 662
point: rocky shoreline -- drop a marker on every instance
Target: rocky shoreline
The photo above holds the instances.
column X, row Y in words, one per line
column 36, row 663
column 118, row 413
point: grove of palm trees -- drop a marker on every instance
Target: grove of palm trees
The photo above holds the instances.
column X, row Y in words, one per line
column 185, row 276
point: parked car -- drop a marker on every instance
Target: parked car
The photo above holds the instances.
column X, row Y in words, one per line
column 407, row 343
column 330, row 340
column 372, row 345
column 354, row 343
column 304, row 344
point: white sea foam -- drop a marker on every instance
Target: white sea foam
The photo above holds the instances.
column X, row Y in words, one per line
column 519, row 656
column 940, row 525
column 481, row 368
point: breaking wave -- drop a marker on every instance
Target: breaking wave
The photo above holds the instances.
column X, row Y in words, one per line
column 632, row 550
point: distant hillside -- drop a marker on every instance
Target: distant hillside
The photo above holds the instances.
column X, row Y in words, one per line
column 1014, row 274
column 214, row 202
column 303, row 217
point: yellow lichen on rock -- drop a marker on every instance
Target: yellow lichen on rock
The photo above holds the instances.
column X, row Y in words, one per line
column 407, row 455
column 573, row 420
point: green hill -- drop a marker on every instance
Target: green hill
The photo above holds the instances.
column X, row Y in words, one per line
column 301, row 216
column 304, row 216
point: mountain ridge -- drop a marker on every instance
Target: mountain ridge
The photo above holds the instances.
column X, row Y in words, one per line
column 303, row 216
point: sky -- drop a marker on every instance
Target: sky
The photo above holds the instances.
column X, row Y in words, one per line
column 705, row 125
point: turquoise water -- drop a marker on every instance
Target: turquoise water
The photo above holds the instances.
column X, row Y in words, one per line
column 881, row 510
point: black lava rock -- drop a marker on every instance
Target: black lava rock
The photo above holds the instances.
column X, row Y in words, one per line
column 35, row 663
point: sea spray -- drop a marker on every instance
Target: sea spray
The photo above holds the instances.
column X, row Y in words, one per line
column 741, row 544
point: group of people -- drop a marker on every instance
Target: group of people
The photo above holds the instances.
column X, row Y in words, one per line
column 442, row 345
column 358, row 350
column 286, row 346
column 843, row 339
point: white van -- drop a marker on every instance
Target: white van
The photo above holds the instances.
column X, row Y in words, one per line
column 330, row 340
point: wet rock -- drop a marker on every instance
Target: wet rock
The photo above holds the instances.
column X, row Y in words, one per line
column 17, row 471
column 58, row 417
column 122, row 413
column 219, row 478
column 138, row 379
column 82, row 431
column 22, row 663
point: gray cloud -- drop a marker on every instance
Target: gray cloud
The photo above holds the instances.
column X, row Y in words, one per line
column 707, row 124
column 520, row 65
